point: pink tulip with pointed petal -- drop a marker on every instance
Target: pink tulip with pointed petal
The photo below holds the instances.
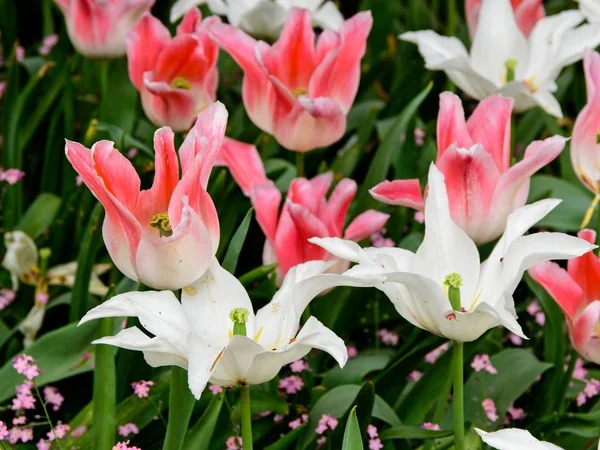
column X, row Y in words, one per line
column 166, row 236
column 585, row 149
column 306, row 213
column 474, row 156
column 527, row 14
column 295, row 90
column 176, row 77
column 98, row 29
column 577, row 292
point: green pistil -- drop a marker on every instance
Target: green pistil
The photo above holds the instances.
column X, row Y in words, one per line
column 239, row 317
column 454, row 282
column 161, row 223
column 511, row 66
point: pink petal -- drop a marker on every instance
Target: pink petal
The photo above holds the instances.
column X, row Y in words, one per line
column 287, row 243
column 563, row 289
column 308, row 226
column 301, row 192
column 585, row 270
column 189, row 22
column 144, row 44
column 528, row 13
column 167, row 106
column 584, row 333
column 471, row 176
column 321, row 184
column 266, row 199
column 399, row 192
column 244, row 163
column 591, row 65
column 338, row 74
column 183, row 57
column 451, row 125
column 341, row 198
column 365, row 224
column 489, row 125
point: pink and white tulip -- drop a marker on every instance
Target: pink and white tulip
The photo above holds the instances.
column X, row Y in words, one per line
column 98, row 29
column 474, row 156
column 295, row 90
column 306, row 213
column 585, row 150
column 166, row 236
column 176, row 77
column 527, row 14
column 577, row 292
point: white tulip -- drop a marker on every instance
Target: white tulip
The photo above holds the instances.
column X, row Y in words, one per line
column 590, row 9
column 514, row 439
column 417, row 283
column 502, row 60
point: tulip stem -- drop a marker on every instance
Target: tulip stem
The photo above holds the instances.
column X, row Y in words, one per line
column 299, row 164
column 246, row 418
column 181, row 404
column 458, row 394
column 104, row 66
column 452, row 15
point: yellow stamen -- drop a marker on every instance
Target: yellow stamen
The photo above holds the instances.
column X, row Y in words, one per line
column 299, row 91
column 161, row 222
column 475, row 301
column 590, row 211
column 181, row 83
column 258, row 334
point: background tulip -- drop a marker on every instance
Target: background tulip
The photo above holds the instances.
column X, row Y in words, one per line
column 527, row 14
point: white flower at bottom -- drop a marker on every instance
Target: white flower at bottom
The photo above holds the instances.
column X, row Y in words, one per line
column 198, row 333
column 514, row 439
column 414, row 282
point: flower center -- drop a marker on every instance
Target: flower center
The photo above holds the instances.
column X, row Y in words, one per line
column 454, row 281
column 161, row 222
column 181, row 83
column 299, row 91
column 239, row 317
column 511, row 66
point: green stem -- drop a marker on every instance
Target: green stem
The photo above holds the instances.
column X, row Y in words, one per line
column 246, row 418
column 105, row 390
column 568, row 375
column 452, row 18
column 37, row 391
column 376, row 323
column 181, row 404
column 104, row 65
column 458, row 394
column 300, row 164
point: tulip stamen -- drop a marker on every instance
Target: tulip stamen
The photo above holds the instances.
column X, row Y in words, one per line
column 239, row 317
column 511, row 66
column 454, row 282
column 181, row 83
column 161, row 222
column 299, row 91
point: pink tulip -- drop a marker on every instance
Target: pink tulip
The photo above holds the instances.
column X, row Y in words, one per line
column 176, row 77
column 474, row 157
column 98, row 28
column 577, row 292
column 527, row 14
column 165, row 236
column 585, row 149
column 294, row 90
column 306, row 212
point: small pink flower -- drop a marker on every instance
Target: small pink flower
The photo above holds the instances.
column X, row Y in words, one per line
column 295, row 423
column 79, row 431
column 515, row 340
column 48, row 44
column 43, row 445
column 419, row 217
column 26, row 434
column 78, row 180
column 352, row 351
column 490, row 409
column 516, row 413
column 2, row 88
column 581, row 398
column 132, row 153
column 127, row 429
column 591, row 389
column 265, row 413
column 24, row 388
column 321, row 442
column 59, row 432
column 21, row 420
column 533, row 308
column 124, row 446
column 31, row 372
column 482, row 362
column 430, row 426
column 41, row 298
column 14, row 434
column 142, row 388
column 233, row 443
column 291, row 384
column 434, row 354
column 23, row 365
column 7, row 296
column 3, row 430
column 326, row 422
column 53, row 397
column 372, row 431
column 414, row 376
column 12, row 176
column 540, row 318
column 379, row 241
column 580, row 373
column 277, row 418
column 214, row 389
column 388, row 337
column 19, row 53
column 300, row 366
column 419, row 137
column 375, row 444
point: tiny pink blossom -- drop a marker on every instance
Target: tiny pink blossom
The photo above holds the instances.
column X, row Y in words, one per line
column 42, row 298
column 59, row 432
column 591, row 389
column 2, row 88
column 419, row 137
column 21, row 420
column 265, row 413
column 375, row 444
column 326, row 422
column 7, row 296
column 79, row 431
column 352, row 351
column 142, row 388
column 534, row 307
column 233, row 443
column 321, row 442
column 414, row 376
column 372, row 431
column 43, row 445
column 419, row 217
column 490, row 409
column 482, row 362
column 132, row 152
column 278, row 418
column 127, row 429
column 53, row 397
column 388, row 337
column 379, row 240
column 19, row 53
column 430, row 426
column 516, row 413
column 214, row 389
column 31, row 372
column 434, row 354
column 14, row 434
column 24, row 388
column 12, row 176
column 581, row 398
column 3, row 430
column 124, row 446
column 26, row 435
column 78, row 180
column 540, row 319
column 291, row 384
column 48, row 44
column 295, row 423
column 300, row 366
column 580, row 372
column 515, row 340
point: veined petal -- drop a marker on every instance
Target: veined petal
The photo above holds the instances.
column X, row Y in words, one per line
column 563, row 289
column 337, row 206
column 266, row 199
column 328, row 16
column 244, row 164
column 180, row 7
column 192, row 17
column 446, row 248
column 584, row 332
column 203, row 358
column 514, row 439
column 307, row 226
column 342, row 248
column 451, row 125
column 233, row 366
column 365, row 225
column 399, row 192
column 585, row 271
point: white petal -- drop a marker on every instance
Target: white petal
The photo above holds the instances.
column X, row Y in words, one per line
column 64, row 275
column 158, row 352
column 328, row 16
column 180, row 7
column 266, row 19
column 514, row 439
column 526, row 251
column 342, row 248
column 590, row 9
column 446, row 248
column 21, row 255
column 467, row 327
column 159, row 312
column 210, row 300
column 203, row 358
column 233, row 365
column 317, row 335
column 575, row 42
column 497, row 40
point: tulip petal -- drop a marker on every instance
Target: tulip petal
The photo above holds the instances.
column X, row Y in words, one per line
column 192, row 17
column 144, row 43
column 334, row 215
column 266, row 199
column 203, row 358
column 234, row 365
column 585, row 271
column 563, row 289
column 451, row 125
column 514, row 439
column 307, row 226
column 244, row 164
column 528, row 13
column 365, row 225
column 399, row 192
column 181, row 7
column 584, row 332
column 341, row 248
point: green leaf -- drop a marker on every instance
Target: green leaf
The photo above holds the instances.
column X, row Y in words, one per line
column 286, row 441
column 413, row 432
column 356, row 369
column 85, row 262
column 39, row 215
column 257, row 274
column 517, row 370
column 392, row 142
column 59, row 354
column 352, row 436
column 261, row 401
column 237, row 241
column 203, row 430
